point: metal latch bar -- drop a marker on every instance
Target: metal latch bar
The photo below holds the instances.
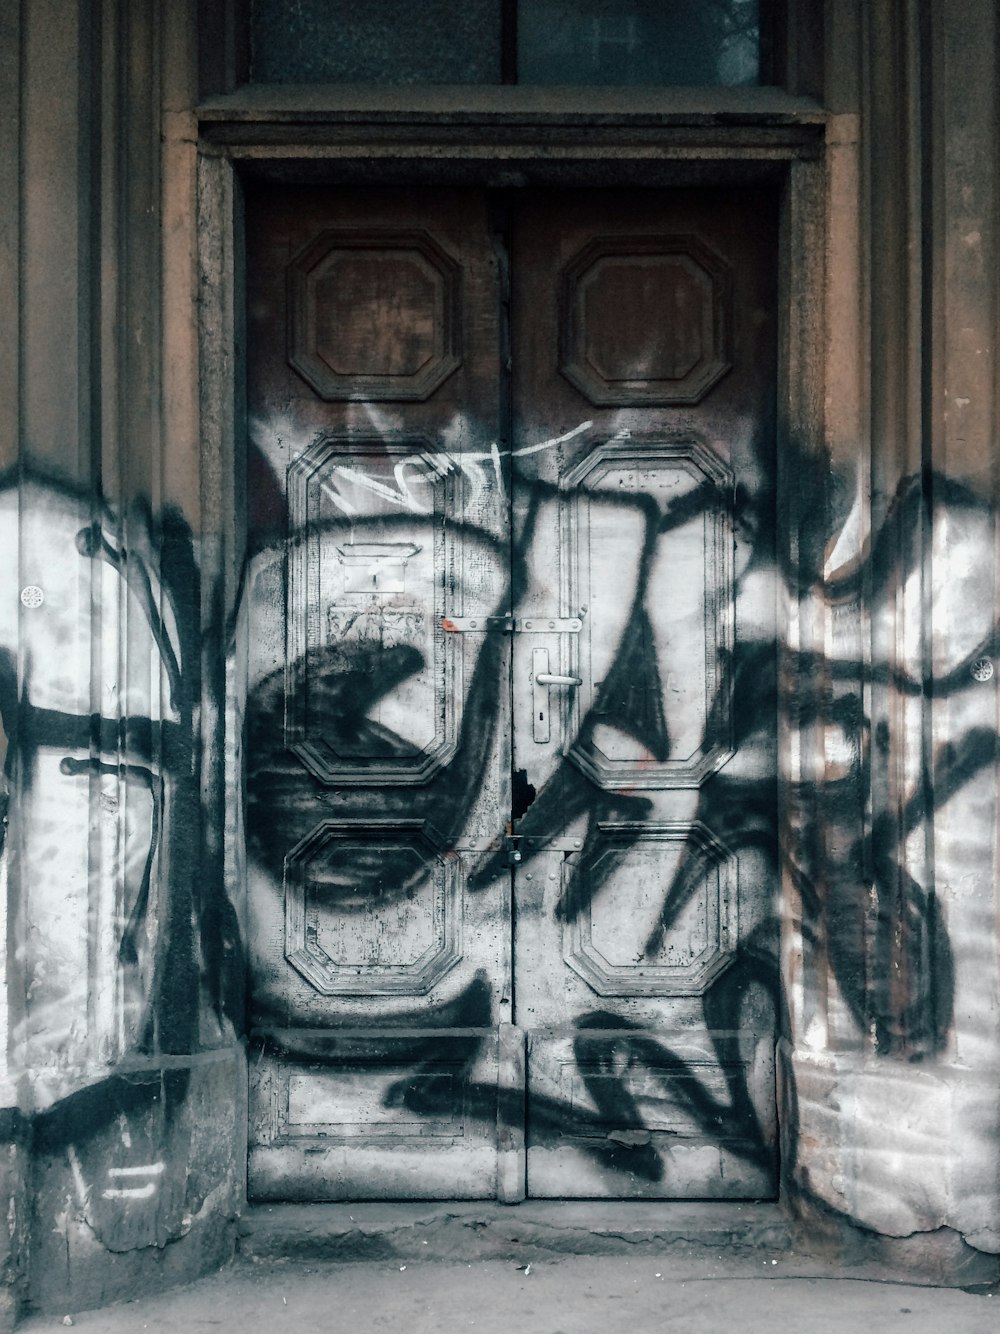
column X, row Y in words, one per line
column 463, row 625
column 536, row 625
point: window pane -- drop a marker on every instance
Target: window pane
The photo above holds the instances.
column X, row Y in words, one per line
column 376, row 41
column 638, row 41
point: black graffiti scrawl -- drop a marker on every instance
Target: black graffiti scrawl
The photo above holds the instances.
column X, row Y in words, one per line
column 892, row 964
column 876, row 930
column 528, row 629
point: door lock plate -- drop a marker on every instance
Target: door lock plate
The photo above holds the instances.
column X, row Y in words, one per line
column 541, row 728
column 541, row 679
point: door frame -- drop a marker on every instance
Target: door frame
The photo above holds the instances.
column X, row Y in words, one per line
column 510, row 138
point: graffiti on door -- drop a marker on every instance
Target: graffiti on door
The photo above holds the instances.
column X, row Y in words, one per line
column 878, row 932
column 875, row 930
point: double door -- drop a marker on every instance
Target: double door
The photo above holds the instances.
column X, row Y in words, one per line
column 510, row 722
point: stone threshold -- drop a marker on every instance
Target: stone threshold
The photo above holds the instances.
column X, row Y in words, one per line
column 463, row 1230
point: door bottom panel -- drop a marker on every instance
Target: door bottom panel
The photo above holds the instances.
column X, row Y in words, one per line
column 626, row 1114
column 374, row 1115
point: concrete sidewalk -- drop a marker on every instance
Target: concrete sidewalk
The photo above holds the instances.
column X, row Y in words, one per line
column 696, row 1294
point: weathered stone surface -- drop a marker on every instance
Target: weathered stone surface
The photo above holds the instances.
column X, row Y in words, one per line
column 463, row 1230
column 700, row 1291
column 137, row 1182
column 814, row 1242
column 122, row 442
column 14, row 1139
column 899, row 1149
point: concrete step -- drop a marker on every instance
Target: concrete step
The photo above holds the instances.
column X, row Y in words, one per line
column 468, row 1230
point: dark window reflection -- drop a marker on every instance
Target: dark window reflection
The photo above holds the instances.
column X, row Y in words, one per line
column 655, row 42
column 377, row 42
column 638, row 42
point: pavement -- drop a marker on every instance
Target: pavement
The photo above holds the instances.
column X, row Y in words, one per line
column 698, row 1292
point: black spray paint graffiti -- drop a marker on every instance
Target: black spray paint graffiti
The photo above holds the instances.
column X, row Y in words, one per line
column 175, row 961
column 893, row 965
column 865, row 918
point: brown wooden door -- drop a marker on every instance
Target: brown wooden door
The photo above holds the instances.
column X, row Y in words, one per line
column 511, row 702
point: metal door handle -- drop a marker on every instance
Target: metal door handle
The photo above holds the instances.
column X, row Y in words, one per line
column 541, row 679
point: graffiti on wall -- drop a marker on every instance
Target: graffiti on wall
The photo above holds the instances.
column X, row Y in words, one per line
column 878, row 931
column 128, row 948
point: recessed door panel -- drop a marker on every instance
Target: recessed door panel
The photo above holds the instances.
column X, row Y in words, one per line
column 373, row 682
column 656, row 699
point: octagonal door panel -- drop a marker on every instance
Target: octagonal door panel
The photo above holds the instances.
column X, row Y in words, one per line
column 510, row 719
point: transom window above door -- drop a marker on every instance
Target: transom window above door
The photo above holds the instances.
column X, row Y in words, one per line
column 541, row 42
